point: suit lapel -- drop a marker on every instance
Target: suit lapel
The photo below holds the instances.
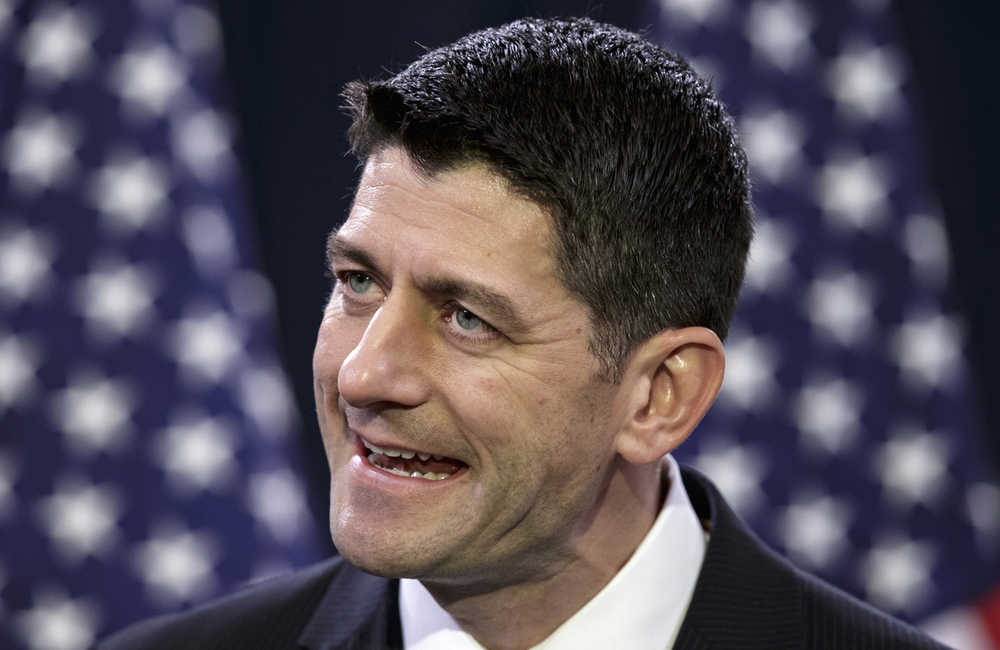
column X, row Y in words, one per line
column 746, row 597
column 358, row 612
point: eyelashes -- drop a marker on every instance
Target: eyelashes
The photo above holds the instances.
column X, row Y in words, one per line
column 468, row 325
column 362, row 291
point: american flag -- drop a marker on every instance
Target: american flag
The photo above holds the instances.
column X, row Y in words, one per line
column 146, row 432
column 146, row 427
column 845, row 433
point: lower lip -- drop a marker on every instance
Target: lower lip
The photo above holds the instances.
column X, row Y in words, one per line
column 380, row 478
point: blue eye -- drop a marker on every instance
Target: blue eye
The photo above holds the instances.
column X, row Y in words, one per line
column 467, row 328
column 467, row 320
column 359, row 282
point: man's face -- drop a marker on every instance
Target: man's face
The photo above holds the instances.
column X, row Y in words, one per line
column 448, row 334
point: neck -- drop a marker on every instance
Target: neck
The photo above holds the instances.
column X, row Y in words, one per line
column 520, row 615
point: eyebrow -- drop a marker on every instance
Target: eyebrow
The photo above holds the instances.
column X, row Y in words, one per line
column 496, row 305
column 338, row 248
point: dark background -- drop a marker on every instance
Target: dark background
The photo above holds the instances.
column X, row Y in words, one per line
column 287, row 62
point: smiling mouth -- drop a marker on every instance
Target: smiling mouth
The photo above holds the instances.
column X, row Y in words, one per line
column 411, row 464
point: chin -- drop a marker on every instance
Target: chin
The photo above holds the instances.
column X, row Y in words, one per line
column 376, row 567
column 373, row 553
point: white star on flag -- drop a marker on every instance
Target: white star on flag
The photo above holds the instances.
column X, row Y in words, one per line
column 814, row 529
column 779, row 32
column 197, row 453
column 926, row 245
column 750, row 366
column 57, row 622
column 264, row 395
column 57, row 44
column 130, row 191
column 81, row 518
column 896, row 572
column 853, row 190
column 208, row 236
column 769, row 267
column 865, row 81
column 176, row 564
column 148, row 78
column 40, row 151
column 827, row 412
column 840, row 305
column 116, row 298
column 25, row 263
column 691, row 13
column 927, row 348
column 203, row 141
column 913, row 466
column 19, row 360
column 206, row 345
column 276, row 500
column 773, row 141
column 94, row 412
column 736, row 469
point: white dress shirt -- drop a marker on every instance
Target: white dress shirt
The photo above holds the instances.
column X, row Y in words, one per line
column 642, row 606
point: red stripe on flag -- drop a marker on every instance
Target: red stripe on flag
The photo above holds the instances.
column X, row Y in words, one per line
column 989, row 610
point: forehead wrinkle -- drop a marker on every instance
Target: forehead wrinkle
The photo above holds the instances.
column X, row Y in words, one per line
column 471, row 189
column 449, row 190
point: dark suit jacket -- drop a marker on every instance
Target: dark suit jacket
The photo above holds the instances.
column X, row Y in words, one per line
column 746, row 597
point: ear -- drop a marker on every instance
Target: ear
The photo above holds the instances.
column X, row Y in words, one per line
column 669, row 384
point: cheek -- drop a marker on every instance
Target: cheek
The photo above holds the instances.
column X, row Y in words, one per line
column 571, row 430
column 336, row 338
column 494, row 416
column 521, row 419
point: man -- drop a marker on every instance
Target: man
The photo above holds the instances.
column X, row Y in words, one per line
column 544, row 251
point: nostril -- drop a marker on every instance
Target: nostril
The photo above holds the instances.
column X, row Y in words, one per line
column 369, row 376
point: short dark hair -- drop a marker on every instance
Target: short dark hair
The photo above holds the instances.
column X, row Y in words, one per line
column 628, row 150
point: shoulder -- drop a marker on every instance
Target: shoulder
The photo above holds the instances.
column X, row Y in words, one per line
column 836, row 619
column 268, row 614
column 749, row 596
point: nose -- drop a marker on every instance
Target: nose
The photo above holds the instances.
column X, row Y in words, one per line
column 389, row 361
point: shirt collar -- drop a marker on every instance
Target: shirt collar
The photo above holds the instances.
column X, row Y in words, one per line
column 642, row 606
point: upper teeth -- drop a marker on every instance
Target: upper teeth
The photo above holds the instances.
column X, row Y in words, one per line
column 398, row 453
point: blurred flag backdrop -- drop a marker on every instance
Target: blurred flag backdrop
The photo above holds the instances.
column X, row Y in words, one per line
column 147, row 449
column 845, row 432
column 146, row 431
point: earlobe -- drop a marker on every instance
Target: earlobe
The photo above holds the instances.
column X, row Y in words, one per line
column 674, row 379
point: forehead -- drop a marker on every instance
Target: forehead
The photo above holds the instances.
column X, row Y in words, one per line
column 472, row 195
column 466, row 219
